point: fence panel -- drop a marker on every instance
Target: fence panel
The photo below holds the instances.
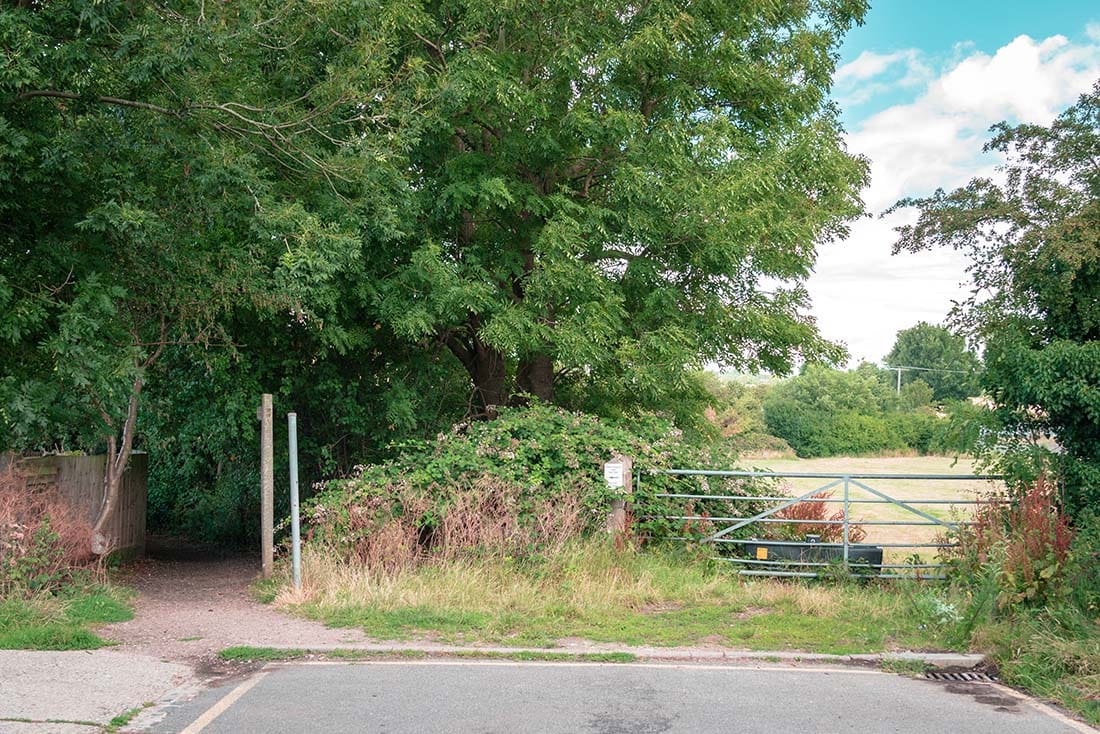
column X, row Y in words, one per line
column 79, row 481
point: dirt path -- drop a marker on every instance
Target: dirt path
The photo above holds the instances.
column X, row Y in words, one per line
column 189, row 608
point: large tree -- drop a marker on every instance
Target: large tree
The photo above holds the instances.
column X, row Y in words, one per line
column 603, row 194
column 163, row 168
column 939, row 358
column 1033, row 236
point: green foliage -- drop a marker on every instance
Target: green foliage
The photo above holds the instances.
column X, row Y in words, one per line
column 1084, row 558
column 936, row 348
column 538, row 468
column 826, row 412
column 600, row 190
column 1034, row 244
column 1024, row 545
column 367, row 208
column 38, row 566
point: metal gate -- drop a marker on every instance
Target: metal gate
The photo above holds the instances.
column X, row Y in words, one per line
column 904, row 530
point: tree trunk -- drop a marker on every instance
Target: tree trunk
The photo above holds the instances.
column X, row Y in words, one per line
column 118, row 456
column 489, row 375
column 535, row 376
column 487, row 370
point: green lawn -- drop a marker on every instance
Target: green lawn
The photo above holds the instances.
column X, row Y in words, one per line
column 61, row 622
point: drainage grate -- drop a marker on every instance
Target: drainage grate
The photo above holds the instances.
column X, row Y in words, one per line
column 960, row 677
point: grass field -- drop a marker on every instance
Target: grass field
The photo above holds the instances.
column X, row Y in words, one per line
column 901, row 489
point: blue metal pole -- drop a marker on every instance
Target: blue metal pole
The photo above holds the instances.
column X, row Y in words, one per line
column 295, row 528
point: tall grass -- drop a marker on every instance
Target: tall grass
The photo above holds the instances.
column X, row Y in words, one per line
column 594, row 590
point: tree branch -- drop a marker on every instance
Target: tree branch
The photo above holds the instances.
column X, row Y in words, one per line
column 100, row 98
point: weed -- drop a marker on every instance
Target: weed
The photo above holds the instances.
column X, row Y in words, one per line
column 816, row 520
column 124, row 718
column 44, row 544
column 46, row 622
column 904, row 666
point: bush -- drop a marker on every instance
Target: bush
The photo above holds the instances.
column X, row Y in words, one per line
column 1023, row 545
column 813, row 513
column 1082, row 574
column 520, row 484
column 44, row 544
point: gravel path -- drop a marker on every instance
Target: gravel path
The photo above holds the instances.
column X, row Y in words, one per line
column 189, row 609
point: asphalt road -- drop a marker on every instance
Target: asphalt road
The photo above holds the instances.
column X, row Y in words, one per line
column 458, row 697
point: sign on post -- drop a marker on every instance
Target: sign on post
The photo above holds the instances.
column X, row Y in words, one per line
column 613, row 474
column 617, row 474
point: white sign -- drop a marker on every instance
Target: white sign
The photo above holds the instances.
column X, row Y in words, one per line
column 613, row 474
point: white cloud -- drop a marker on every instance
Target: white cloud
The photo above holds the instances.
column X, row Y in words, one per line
column 871, row 73
column 870, row 64
column 863, row 295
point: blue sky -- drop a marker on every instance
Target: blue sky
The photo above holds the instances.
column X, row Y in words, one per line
column 945, row 30
column 919, row 85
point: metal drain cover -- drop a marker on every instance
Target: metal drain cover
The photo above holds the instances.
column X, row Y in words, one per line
column 967, row 677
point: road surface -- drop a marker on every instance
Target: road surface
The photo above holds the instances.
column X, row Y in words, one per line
column 480, row 697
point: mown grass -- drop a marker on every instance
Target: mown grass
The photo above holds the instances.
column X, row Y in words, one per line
column 595, row 592
column 61, row 622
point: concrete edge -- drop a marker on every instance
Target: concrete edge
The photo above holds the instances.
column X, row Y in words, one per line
column 680, row 654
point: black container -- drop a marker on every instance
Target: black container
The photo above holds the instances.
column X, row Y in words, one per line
column 858, row 553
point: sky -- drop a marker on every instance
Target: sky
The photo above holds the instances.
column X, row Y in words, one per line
column 919, row 85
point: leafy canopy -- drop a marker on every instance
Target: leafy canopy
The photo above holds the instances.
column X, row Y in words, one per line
column 948, row 367
column 1033, row 237
column 599, row 195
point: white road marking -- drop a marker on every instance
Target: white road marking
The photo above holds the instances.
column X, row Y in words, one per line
column 222, row 705
column 1044, row 709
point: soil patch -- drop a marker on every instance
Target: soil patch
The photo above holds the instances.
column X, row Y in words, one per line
column 191, row 605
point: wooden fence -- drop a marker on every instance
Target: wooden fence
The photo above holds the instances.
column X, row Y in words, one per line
column 79, row 481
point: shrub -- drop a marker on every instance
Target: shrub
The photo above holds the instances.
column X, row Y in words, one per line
column 517, row 485
column 43, row 542
column 1084, row 560
column 811, row 511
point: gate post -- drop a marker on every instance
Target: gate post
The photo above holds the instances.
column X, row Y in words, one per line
column 846, row 569
column 618, row 474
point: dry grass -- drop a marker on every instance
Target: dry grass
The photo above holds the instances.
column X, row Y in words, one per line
column 592, row 590
column 592, row 575
column 486, row 517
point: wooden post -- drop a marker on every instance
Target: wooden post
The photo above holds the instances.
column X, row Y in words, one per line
column 267, row 485
column 618, row 473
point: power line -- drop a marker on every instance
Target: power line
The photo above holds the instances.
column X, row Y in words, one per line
column 900, row 368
